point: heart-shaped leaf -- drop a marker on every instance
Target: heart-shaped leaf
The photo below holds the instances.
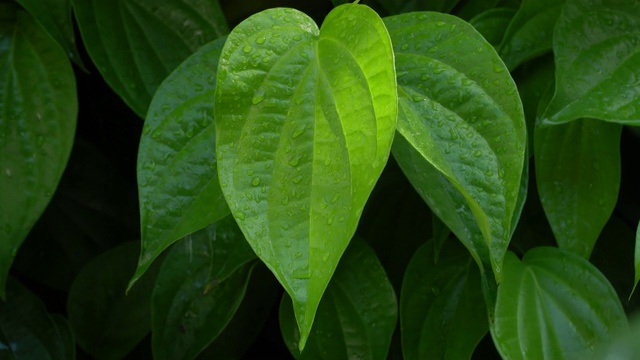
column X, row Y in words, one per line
column 37, row 126
column 135, row 44
column 304, row 123
column 442, row 311
column 357, row 315
column 578, row 177
column 554, row 305
column 177, row 170
column 597, row 50
column 459, row 116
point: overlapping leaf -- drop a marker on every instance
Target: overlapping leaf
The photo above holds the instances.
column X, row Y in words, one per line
column 37, row 126
column 460, row 129
column 177, row 170
column 135, row 44
column 597, row 49
column 357, row 315
column 578, row 177
column 304, row 123
column 492, row 23
column 198, row 290
column 554, row 305
column 442, row 311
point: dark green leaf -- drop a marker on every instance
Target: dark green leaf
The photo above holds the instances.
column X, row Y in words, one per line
column 304, row 124
column 554, row 305
column 468, row 9
column 66, row 335
column 597, row 50
column 356, row 316
column 636, row 260
column 530, row 32
column 578, row 177
column 37, row 125
column 492, row 24
column 198, row 290
column 106, row 322
column 177, row 171
column 459, row 113
column 442, row 311
column 136, row 43
column 27, row 331
column 55, row 17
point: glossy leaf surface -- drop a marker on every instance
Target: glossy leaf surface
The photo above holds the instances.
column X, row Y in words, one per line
column 304, row 123
column 135, row 44
column 27, row 331
column 357, row 315
column 442, row 311
column 492, row 23
column 460, row 116
column 597, row 49
column 554, row 305
column 578, row 177
column 108, row 323
column 177, row 171
column 530, row 32
column 37, row 126
column 200, row 286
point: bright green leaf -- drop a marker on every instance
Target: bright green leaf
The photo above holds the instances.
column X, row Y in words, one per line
column 554, row 305
column 492, row 23
column 530, row 32
column 27, row 331
column 442, row 311
column 636, row 260
column 177, row 170
column 55, row 17
column 357, row 315
column 578, row 177
column 199, row 287
column 597, row 50
column 37, row 126
column 135, row 44
column 459, row 113
column 108, row 323
column 304, row 123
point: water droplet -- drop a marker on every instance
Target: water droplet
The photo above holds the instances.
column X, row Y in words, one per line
column 240, row 215
column 294, row 161
column 330, row 220
column 8, row 172
column 297, row 179
column 255, row 181
column 257, row 99
column 298, row 131
column 404, row 46
column 260, row 40
column 440, row 23
column 247, row 48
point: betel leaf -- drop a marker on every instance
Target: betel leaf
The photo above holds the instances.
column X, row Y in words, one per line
column 27, row 331
column 442, row 311
column 460, row 114
column 468, row 9
column 200, row 286
column 177, row 171
column 37, row 126
column 578, row 177
column 492, row 23
column 106, row 322
column 55, row 17
column 597, row 48
column 554, row 305
column 636, row 261
column 357, row 315
column 530, row 32
column 304, row 124
column 135, row 44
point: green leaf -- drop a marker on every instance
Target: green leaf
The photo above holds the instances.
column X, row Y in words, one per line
column 578, row 177
column 66, row 335
column 55, row 17
column 530, row 32
column 597, row 49
column 442, row 312
column 199, row 288
column 459, row 113
column 469, row 9
column 177, row 171
column 107, row 323
column 135, row 44
column 357, row 315
column 37, row 126
column 492, row 24
column 304, row 123
column 636, row 261
column 554, row 305
column 27, row 331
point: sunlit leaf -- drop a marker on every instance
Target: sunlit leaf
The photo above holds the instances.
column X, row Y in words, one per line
column 37, row 126
column 304, row 123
